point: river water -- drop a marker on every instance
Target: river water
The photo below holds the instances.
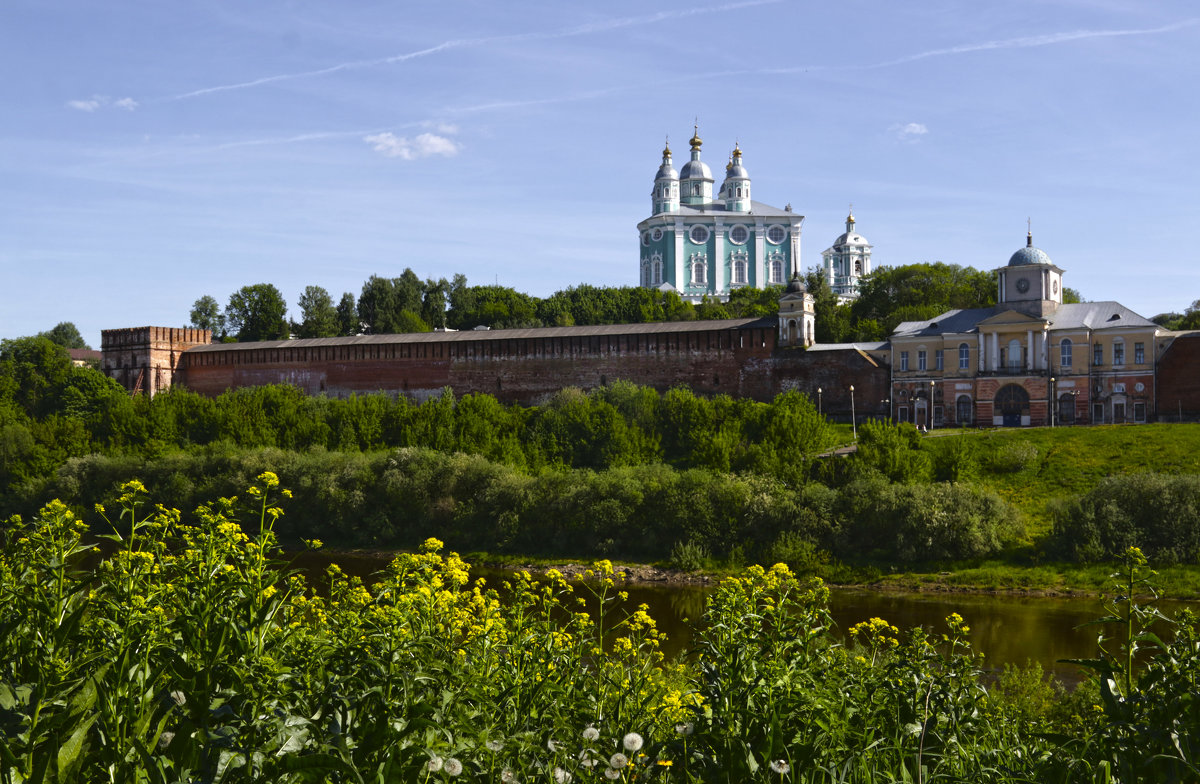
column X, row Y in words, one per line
column 1006, row 629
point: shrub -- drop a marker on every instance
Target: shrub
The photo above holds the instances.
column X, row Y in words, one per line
column 1014, row 456
column 1158, row 513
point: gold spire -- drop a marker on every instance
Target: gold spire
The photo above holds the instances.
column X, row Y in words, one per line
column 667, row 148
column 850, row 217
column 737, row 152
column 696, row 140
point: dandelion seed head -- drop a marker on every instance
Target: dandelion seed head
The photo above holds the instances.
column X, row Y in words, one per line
column 550, row 744
column 632, row 742
column 434, row 765
column 781, row 767
column 494, row 745
column 618, row 761
column 453, row 767
column 612, row 774
column 508, row 777
column 591, row 734
column 687, row 728
column 561, row 776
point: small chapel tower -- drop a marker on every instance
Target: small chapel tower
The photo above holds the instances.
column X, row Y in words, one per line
column 797, row 315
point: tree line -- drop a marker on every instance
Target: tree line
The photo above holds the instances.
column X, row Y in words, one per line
column 407, row 303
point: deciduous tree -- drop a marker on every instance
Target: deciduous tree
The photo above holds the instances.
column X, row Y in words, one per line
column 257, row 312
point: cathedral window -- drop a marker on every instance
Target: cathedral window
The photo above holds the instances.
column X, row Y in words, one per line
column 776, row 234
column 699, row 234
column 1064, row 353
column 738, row 235
column 698, row 273
column 739, row 269
column 656, row 277
column 776, row 271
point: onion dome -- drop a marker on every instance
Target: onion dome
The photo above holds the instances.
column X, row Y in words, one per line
column 796, row 285
column 696, row 169
column 735, row 167
column 666, row 171
column 851, row 237
column 1029, row 255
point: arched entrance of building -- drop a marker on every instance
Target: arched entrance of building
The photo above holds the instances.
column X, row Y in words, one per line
column 1012, row 405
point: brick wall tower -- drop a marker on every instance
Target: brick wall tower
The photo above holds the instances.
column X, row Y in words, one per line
column 145, row 359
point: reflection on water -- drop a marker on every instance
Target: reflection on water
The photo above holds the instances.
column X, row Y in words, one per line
column 1006, row 629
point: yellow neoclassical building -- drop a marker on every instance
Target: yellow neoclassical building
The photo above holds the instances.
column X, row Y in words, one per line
column 1029, row 360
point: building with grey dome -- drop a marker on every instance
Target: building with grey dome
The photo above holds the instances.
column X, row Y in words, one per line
column 847, row 262
column 1031, row 359
column 701, row 245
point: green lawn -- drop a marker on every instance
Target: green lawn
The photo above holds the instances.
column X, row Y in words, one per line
column 1070, row 461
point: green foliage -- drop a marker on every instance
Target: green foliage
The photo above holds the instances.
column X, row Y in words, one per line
column 688, row 556
column 347, row 316
column 318, row 316
column 894, row 450
column 206, row 314
column 1014, row 456
column 923, row 523
column 1158, row 513
column 185, row 649
column 954, row 459
column 65, row 334
column 257, row 312
column 890, row 295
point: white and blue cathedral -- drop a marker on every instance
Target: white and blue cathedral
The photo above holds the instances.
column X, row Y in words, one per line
column 703, row 247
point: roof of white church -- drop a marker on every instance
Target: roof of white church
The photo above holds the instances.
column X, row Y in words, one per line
column 1078, row 315
column 718, row 208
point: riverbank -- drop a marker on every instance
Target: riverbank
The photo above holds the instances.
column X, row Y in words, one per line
column 992, row 578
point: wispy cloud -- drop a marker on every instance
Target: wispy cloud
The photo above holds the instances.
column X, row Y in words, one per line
column 100, row 102
column 909, row 132
column 464, row 43
column 1027, row 42
column 423, row 145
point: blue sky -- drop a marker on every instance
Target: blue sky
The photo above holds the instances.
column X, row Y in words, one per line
column 153, row 152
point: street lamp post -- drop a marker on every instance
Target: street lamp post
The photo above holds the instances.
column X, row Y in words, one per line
column 931, row 385
column 1051, row 401
column 819, row 401
column 853, row 422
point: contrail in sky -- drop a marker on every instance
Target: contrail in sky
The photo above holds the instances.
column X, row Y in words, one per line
column 1034, row 40
column 462, row 43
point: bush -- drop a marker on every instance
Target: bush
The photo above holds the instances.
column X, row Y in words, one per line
column 1158, row 513
column 1015, row 456
column 688, row 556
column 918, row 523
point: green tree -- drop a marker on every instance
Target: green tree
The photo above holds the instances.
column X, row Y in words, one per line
column 1070, row 295
column 833, row 318
column 347, row 316
column 890, row 295
column 1191, row 317
column 319, row 318
column 257, row 312
column 66, row 335
column 489, row 306
column 206, row 314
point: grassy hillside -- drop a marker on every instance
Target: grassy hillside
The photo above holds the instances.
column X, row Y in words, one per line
column 1033, row 468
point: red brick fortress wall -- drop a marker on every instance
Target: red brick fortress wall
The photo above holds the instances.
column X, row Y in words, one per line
column 735, row 357
column 146, row 359
column 1178, row 384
